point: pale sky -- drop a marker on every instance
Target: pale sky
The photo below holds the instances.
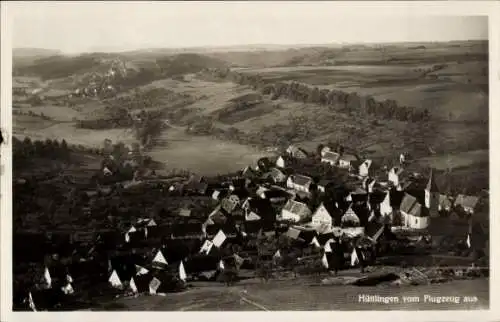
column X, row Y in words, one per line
column 91, row 26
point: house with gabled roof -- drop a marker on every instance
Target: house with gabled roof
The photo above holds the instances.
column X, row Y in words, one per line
column 395, row 175
column 230, row 203
column 321, row 217
column 281, row 162
column 295, row 211
column 276, row 175
column 412, row 213
column 324, row 150
column 350, row 219
column 445, row 203
column 348, row 161
column 299, row 182
column 468, row 204
column 296, row 152
column 386, row 206
column 330, row 157
column 364, row 168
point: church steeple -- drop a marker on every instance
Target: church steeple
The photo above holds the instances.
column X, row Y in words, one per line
column 431, row 184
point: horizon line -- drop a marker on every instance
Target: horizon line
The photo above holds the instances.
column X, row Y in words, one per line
column 256, row 45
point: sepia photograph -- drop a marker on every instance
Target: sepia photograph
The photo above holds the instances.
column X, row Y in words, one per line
column 248, row 156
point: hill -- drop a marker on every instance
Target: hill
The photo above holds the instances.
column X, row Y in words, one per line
column 26, row 56
column 62, row 66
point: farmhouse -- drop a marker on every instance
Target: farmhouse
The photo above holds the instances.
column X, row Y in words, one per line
column 394, row 175
column 295, row 211
column 324, row 150
column 412, row 215
column 276, row 175
column 348, row 161
column 296, row 152
column 281, row 162
column 330, row 158
column 230, row 203
column 299, row 183
column 350, row 219
column 386, row 206
column 321, row 217
column 364, row 168
column 467, row 204
column 445, row 203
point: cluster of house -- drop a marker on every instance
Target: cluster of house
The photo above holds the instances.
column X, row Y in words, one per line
column 101, row 84
column 383, row 197
column 269, row 199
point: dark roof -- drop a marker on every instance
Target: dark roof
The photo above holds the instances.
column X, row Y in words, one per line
column 410, row 205
column 323, row 238
column 301, row 179
column 201, row 263
column 142, row 282
column 377, row 197
column 239, row 182
column 242, row 193
column 227, row 227
column 187, row 229
column 396, row 197
column 46, row 299
column 334, row 212
column 349, row 157
column 157, row 232
column 252, row 227
column 362, row 212
column 124, row 266
column 262, row 207
column 325, row 182
column 374, row 229
column 307, row 235
column 276, row 193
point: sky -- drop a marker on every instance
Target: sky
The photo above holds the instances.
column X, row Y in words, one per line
column 107, row 26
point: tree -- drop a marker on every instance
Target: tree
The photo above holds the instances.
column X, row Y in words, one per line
column 319, row 148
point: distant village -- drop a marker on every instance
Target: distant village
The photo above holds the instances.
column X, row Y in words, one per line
column 298, row 213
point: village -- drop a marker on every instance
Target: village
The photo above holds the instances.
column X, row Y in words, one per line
column 298, row 214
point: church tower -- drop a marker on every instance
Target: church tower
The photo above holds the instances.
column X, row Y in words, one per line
column 432, row 196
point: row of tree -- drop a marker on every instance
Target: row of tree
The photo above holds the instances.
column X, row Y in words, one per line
column 27, row 149
column 334, row 99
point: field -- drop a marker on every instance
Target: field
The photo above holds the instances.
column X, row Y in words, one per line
column 38, row 129
column 449, row 79
column 204, row 155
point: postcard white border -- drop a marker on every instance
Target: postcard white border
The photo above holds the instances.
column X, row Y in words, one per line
column 452, row 8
